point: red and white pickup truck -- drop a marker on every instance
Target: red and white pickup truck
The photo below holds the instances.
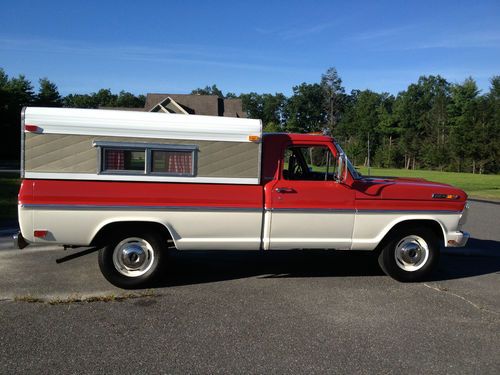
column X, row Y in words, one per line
column 134, row 184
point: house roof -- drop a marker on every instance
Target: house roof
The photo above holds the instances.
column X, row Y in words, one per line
column 210, row 105
column 169, row 105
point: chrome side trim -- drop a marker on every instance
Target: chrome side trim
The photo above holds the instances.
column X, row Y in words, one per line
column 221, row 208
column 357, row 211
column 83, row 207
column 409, row 212
column 313, row 210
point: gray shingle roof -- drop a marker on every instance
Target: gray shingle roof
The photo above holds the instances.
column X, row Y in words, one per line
column 210, row 105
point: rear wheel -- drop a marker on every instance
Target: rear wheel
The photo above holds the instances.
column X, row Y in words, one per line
column 132, row 260
column 411, row 254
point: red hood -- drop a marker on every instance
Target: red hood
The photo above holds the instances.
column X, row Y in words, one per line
column 404, row 189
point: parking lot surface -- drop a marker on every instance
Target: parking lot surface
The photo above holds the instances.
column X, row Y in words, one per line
column 246, row 312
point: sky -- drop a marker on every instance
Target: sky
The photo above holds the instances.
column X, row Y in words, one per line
column 243, row 46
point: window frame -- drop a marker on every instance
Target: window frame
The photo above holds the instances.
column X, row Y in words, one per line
column 148, row 149
column 307, row 145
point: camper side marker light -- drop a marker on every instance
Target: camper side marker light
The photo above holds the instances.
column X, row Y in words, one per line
column 32, row 129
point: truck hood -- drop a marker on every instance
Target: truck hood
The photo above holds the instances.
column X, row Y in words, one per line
column 395, row 188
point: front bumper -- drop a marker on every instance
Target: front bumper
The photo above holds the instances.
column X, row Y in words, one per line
column 457, row 239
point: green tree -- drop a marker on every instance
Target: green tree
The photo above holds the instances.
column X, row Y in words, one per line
column 253, row 105
column 105, row 98
column 20, row 91
column 493, row 97
column 411, row 112
column 267, row 107
column 463, row 113
column 208, row 90
column 48, row 95
column 128, row 100
column 273, row 110
column 80, row 101
column 361, row 121
column 17, row 93
column 4, row 80
column 387, row 154
column 305, row 111
column 334, row 95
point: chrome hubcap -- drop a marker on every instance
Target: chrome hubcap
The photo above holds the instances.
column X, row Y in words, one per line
column 133, row 257
column 411, row 253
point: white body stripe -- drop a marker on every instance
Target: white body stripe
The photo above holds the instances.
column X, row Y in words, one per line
column 200, row 230
column 302, row 229
column 371, row 228
column 203, row 228
column 149, row 178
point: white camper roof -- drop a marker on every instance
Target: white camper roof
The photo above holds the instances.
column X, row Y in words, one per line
column 141, row 124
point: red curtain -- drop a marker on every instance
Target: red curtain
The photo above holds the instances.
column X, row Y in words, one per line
column 115, row 159
column 178, row 162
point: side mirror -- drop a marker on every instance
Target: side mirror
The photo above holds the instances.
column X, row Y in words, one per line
column 341, row 169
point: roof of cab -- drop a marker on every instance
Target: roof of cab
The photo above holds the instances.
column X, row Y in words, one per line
column 299, row 137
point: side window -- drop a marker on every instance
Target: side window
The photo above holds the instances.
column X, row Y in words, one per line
column 148, row 159
column 308, row 163
column 123, row 160
column 172, row 162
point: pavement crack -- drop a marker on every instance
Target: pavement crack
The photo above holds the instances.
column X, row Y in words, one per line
column 86, row 299
column 475, row 305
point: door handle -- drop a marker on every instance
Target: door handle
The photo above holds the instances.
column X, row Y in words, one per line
column 284, row 190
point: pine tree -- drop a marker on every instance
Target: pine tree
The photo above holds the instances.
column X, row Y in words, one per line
column 48, row 95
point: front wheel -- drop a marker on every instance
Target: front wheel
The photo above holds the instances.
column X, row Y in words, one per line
column 132, row 260
column 410, row 254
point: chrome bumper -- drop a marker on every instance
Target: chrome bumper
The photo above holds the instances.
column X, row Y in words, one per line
column 457, row 239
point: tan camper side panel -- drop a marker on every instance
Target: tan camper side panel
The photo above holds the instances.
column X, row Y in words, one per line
column 60, row 153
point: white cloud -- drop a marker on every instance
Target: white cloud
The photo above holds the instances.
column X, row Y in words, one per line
column 182, row 54
column 296, row 32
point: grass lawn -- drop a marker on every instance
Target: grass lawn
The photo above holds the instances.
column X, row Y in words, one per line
column 475, row 185
column 9, row 187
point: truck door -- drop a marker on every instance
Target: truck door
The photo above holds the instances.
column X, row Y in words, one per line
column 309, row 209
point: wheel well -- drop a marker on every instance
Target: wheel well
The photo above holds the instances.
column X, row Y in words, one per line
column 431, row 224
column 106, row 232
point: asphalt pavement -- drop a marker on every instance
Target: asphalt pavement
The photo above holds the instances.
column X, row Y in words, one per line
column 247, row 312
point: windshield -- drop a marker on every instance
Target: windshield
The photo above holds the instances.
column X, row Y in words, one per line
column 354, row 172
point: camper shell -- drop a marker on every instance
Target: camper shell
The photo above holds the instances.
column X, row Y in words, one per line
column 76, row 144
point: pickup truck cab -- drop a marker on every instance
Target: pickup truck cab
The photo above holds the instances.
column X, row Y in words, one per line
column 299, row 192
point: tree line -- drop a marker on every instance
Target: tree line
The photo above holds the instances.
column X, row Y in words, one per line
column 433, row 124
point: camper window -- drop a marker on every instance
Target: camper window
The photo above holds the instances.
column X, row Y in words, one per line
column 172, row 162
column 149, row 159
column 124, row 160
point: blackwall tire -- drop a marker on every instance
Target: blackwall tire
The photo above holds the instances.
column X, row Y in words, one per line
column 132, row 260
column 410, row 255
